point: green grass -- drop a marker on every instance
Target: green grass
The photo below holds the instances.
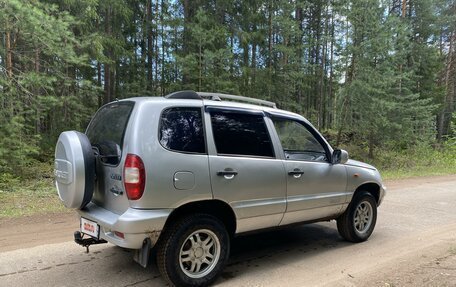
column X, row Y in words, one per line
column 29, row 198
column 32, row 193
column 414, row 162
column 37, row 194
column 452, row 250
column 417, row 172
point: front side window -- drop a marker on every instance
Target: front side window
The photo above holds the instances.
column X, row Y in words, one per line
column 241, row 134
column 298, row 142
column 181, row 129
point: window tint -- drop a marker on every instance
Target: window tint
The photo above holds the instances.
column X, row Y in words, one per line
column 181, row 129
column 107, row 128
column 241, row 134
column 298, row 142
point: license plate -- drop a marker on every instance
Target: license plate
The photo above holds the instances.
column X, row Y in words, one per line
column 90, row 227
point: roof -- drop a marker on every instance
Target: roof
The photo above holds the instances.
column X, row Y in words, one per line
column 219, row 100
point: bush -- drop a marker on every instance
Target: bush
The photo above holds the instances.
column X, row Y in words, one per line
column 8, row 182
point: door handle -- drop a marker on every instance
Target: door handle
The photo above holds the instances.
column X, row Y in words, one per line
column 296, row 173
column 227, row 173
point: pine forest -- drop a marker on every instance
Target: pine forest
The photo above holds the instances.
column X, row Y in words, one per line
column 374, row 75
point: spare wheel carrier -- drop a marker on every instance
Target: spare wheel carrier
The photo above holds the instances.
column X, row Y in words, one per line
column 74, row 169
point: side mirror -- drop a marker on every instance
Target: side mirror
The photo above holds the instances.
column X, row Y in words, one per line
column 339, row 156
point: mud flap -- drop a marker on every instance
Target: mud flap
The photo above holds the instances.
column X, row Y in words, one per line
column 141, row 256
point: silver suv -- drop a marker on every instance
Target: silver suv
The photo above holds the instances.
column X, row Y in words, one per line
column 187, row 172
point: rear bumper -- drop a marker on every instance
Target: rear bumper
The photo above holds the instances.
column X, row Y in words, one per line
column 135, row 224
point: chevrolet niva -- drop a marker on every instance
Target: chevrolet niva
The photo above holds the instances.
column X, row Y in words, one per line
column 187, row 172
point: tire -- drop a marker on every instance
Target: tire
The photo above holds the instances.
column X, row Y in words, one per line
column 193, row 251
column 357, row 223
column 74, row 169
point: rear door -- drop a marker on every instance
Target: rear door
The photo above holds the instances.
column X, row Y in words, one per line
column 106, row 134
column 316, row 188
column 244, row 170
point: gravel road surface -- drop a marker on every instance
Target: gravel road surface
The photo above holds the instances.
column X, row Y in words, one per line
column 414, row 244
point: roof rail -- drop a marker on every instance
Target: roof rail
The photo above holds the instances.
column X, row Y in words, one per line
column 218, row 97
column 192, row 95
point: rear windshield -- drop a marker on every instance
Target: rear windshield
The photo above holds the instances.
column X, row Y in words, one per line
column 107, row 128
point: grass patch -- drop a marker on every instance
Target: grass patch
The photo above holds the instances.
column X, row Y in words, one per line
column 413, row 162
column 32, row 197
column 452, row 250
column 31, row 193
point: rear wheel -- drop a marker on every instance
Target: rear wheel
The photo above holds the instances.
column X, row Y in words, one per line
column 357, row 223
column 193, row 251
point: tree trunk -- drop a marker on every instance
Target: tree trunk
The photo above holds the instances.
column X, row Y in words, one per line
column 190, row 8
column 148, row 25
column 246, row 75
column 331, row 101
column 186, row 35
column 114, row 81
column 322, row 107
column 299, row 19
column 9, row 52
column 100, row 96
column 37, row 60
column 317, row 64
column 446, row 113
column 254, row 63
column 349, row 76
column 156, row 49
column 404, row 8
column 107, row 84
column 36, row 92
column 404, row 5
column 107, row 66
column 270, row 38
column 162, row 33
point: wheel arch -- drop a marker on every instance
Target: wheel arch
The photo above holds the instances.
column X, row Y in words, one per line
column 214, row 207
column 371, row 187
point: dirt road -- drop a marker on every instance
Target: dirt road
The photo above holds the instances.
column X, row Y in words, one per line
column 414, row 244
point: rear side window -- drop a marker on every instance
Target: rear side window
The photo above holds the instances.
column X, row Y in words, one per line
column 238, row 133
column 181, row 129
column 107, row 129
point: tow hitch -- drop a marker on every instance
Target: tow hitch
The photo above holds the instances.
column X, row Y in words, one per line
column 86, row 242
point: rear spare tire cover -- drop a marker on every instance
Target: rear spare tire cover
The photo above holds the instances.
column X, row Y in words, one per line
column 74, row 169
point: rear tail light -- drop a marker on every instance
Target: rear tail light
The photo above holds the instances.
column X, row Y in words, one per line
column 134, row 177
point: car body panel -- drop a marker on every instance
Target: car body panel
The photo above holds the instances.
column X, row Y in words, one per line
column 322, row 186
column 265, row 202
column 359, row 175
column 135, row 224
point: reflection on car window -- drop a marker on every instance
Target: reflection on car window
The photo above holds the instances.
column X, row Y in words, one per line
column 181, row 129
column 298, row 142
column 107, row 128
column 241, row 134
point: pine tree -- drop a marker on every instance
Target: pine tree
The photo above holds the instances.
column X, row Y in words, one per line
column 40, row 78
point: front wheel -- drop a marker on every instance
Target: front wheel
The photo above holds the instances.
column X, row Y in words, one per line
column 193, row 251
column 357, row 223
